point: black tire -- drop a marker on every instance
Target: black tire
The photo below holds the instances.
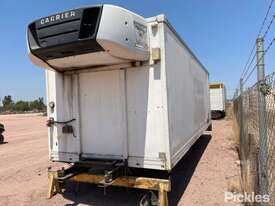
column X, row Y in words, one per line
column 149, row 199
column 1, row 139
column 209, row 128
column 217, row 115
column 2, row 128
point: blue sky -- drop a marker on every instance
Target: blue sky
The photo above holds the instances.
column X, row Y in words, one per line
column 220, row 32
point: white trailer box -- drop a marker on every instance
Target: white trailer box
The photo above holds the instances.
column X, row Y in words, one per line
column 124, row 87
column 217, row 100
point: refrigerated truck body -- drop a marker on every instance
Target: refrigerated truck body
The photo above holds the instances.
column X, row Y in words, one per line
column 217, row 100
column 119, row 87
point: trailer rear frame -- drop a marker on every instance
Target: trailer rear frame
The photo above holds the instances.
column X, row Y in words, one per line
column 80, row 175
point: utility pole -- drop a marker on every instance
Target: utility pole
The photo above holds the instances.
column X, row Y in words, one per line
column 263, row 182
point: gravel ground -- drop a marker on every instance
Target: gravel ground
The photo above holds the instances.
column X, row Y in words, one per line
column 200, row 178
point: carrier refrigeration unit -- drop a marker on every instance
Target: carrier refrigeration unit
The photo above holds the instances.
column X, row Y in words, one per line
column 120, row 88
column 217, row 100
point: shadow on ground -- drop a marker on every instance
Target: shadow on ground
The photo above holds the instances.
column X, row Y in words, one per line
column 180, row 178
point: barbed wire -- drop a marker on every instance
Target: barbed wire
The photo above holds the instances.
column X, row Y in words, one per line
column 270, row 45
column 246, row 67
column 266, row 16
column 249, row 66
column 269, row 26
column 255, row 66
column 250, row 55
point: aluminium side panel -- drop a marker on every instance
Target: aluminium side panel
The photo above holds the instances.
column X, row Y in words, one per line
column 148, row 135
column 188, row 95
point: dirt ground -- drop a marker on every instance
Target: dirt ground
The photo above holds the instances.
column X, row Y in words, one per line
column 200, row 178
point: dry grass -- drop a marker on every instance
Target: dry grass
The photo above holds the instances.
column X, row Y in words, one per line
column 229, row 111
column 234, row 184
column 235, row 139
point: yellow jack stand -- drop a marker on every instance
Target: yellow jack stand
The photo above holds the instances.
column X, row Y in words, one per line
column 54, row 187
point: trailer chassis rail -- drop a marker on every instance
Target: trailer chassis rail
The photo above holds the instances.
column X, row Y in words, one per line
column 163, row 186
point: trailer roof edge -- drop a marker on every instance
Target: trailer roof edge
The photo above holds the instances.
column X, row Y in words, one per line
column 162, row 19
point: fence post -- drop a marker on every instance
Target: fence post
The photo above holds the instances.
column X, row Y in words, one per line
column 241, row 121
column 263, row 182
column 241, row 109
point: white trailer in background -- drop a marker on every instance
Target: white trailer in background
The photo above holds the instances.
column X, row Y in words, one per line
column 120, row 88
column 217, row 100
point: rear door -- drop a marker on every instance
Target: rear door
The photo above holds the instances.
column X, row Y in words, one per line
column 102, row 108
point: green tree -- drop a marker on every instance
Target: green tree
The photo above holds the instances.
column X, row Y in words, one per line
column 42, row 106
column 22, row 106
column 38, row 104
column 7, row 102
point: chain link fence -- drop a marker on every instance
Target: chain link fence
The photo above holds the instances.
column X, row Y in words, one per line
column 257, row 140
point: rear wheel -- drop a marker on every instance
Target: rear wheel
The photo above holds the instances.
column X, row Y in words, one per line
column 209, row 128
column 217, row 114
column 149, row 199
column 1, row 139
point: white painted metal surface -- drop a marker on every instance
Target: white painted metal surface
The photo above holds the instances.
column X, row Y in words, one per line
column 149, row 114
column 102, row 103
column 188, row 96
column 121, row 33
column 217, row 97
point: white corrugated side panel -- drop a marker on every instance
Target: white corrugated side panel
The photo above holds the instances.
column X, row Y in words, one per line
column 188, row 96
